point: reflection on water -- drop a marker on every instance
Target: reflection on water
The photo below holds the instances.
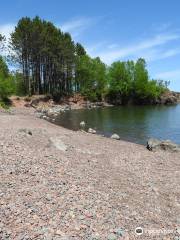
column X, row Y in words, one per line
column 132, row 123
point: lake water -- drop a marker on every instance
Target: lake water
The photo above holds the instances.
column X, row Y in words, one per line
column 131, row 123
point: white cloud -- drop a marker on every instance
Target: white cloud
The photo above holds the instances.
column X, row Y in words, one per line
column 145, row 48
column 163, row 26
column 168, row 75
column 111, row 46
column 156, row 54
column 77, row 26
column 173, row 76
column 7, row 29
column 91, row 49
column 171, row 53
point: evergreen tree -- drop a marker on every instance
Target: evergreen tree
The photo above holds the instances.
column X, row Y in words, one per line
column 6, row 81
column 46, row 56
column 3, row 67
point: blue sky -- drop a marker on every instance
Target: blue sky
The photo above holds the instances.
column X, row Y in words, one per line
column 113, row 30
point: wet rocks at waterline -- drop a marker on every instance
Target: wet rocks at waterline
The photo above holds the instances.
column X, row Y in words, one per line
column 91, row 130
column 166, row 145
column 115, row 136
column 53, row 112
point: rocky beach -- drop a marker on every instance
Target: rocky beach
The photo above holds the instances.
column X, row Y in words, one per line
column 60, row 184
column 89, row 120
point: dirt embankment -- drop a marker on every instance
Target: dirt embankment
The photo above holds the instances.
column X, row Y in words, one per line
column 44, row 102
column 79, row 102
column 60, row 184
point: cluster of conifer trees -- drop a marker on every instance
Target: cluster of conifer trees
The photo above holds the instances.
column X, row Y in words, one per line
column 47, row 56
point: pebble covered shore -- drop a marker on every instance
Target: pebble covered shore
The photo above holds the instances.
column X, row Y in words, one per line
column 58, row 184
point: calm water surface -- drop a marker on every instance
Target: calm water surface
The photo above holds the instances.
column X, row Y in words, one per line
column 132, row 123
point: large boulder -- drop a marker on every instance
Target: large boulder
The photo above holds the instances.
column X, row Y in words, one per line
column 152, row 144
column 115, row 136
column 166, row 145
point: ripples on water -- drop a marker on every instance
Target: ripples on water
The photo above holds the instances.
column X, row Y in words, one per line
column 132, row 123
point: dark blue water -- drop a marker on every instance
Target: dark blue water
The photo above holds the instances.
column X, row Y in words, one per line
column 132, row 123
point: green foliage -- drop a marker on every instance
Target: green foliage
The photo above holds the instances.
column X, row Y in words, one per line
column 3, row 67
column 141, row 80
column 3, row 105
column 20, row 88
column 79, row 49
column 6, row 86
column 130, row 81
column 91, row 77
column 120, row 77
column 2, row 40
column 57, row 96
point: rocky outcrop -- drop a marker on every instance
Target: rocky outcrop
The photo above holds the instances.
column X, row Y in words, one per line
column 167, row 98
column 177, row 95
column 166, row 145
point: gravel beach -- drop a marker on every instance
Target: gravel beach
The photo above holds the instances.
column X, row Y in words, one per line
column 59, row 184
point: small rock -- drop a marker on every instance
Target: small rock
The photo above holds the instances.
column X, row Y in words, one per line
column 178, row 230
column 119, row 232
column 90, row 130
column 115, row 136
column 27, row 131
column 30, row 133
column 95, row 237
column 112, row 236
column 58, row 143
column 60, row 233
column 82, row 124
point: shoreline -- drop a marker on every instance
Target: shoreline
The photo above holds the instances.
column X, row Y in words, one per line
column 57, row 183
column 78, row 102
column 53, row 115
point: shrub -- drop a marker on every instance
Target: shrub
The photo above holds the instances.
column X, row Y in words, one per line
column 6, row 86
